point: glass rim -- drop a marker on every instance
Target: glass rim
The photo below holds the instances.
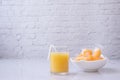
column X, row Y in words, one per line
column 55, row 47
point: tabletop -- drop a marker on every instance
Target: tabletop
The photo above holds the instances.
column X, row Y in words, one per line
column 37, row 69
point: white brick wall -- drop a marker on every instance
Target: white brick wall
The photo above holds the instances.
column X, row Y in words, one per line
column 28, row 27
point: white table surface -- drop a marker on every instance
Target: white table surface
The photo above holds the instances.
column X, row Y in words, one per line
column 36, row 69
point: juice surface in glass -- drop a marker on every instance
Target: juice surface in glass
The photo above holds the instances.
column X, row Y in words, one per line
column 59, row 62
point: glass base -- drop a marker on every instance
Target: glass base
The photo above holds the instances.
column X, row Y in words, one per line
column 59, row 73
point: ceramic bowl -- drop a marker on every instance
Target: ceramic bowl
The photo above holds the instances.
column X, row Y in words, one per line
column 90, row 65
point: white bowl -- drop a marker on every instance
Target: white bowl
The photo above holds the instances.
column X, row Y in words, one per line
column 90, row 65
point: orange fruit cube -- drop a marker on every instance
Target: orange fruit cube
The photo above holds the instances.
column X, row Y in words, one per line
column 87, row 52
column 97, row 53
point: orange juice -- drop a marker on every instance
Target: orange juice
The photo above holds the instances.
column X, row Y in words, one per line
column 59, row 62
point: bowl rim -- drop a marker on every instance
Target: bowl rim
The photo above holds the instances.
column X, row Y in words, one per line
column 104, row 59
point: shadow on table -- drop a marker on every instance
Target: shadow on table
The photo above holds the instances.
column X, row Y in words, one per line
column 68, row 76
column 81, row 75
column 109, row 70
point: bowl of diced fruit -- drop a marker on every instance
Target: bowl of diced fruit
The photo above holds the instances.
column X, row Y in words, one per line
column 90, row 60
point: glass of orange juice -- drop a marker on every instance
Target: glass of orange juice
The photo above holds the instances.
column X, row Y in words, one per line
column 59, row 60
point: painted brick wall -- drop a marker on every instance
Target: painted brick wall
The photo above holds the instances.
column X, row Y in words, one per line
column 28, row 27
